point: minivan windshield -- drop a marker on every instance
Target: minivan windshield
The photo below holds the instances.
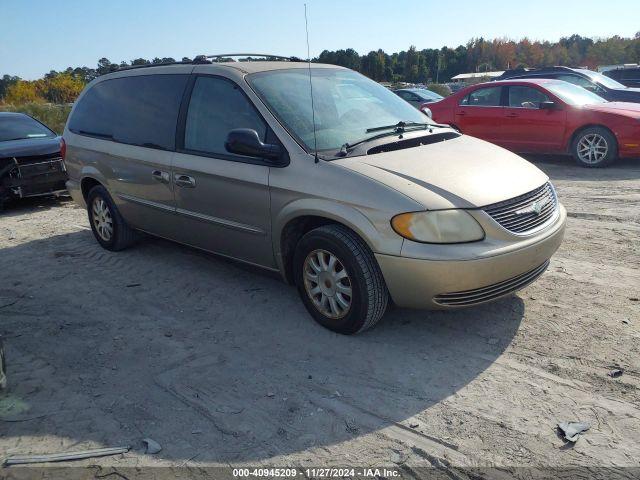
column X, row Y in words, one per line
column 346, row 105
column 22, row 127
column 602, row 79
column 573, row 94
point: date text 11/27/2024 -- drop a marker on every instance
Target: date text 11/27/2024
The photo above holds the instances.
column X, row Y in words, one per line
column 317, row 472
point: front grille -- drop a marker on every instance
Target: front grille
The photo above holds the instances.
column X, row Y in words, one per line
column 527, row 212
column 485, row 294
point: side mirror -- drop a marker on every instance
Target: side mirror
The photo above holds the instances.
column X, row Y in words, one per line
column 548, row 105
column 245, row 141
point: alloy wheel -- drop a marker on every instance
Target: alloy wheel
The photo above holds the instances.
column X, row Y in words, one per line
column 327, row 284
column 593, row 148
column 102, row 219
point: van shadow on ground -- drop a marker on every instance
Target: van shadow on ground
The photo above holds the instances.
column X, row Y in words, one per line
column 211, row 358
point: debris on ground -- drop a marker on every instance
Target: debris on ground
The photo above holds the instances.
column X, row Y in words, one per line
column 572, row 430
column 398, row 457
column 615, row 373
column 351, row 426
column 152, row 446
column 64, row 457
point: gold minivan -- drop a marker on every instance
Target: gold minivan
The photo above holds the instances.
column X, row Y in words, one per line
column 356, row 197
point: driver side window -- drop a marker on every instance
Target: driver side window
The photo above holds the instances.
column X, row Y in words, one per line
column 218, row 106
column 526, row 97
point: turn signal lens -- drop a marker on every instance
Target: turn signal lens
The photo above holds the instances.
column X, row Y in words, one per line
column 438, row 226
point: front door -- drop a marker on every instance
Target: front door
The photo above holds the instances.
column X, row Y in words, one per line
column 222, row 199
column 527, row 127
column 480, row 114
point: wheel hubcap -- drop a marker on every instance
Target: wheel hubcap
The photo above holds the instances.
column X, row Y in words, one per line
column 102, row 220
column 327, row 283
column 592, row 148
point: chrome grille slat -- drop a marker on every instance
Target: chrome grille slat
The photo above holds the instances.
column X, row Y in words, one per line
column 508, row 209
column 490, row 292
column 505, row 212
column 521, row 198
column 546, row 212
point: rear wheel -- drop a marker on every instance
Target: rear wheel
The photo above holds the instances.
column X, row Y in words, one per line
column 108, row 226
column 594, row 147
column 339, row 280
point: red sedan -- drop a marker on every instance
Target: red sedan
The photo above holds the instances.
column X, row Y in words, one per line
column 545, row 116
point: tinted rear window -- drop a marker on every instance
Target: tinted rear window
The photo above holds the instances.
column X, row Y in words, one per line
column 138, row 110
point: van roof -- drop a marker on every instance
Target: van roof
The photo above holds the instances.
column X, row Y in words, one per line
column 263, row 66
column 244, row 67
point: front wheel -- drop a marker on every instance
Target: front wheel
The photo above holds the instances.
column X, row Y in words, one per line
column 594, row 147
column 339, row 280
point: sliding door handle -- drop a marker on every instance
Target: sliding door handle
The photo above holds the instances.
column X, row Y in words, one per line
column 184, row 181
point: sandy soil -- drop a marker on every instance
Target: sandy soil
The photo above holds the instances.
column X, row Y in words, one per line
column 221, row 364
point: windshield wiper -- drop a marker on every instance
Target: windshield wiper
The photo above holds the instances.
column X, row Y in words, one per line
column 95, row 134
column 398, row 127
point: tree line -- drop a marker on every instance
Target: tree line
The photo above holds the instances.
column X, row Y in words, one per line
column 480, row 55
column 412, row 65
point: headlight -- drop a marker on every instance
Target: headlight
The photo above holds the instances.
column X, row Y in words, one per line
column 438, row 226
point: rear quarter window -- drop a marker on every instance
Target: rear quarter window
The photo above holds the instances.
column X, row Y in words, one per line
column 137, row 110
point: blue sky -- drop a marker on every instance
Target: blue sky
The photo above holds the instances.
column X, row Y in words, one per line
column 37, row 35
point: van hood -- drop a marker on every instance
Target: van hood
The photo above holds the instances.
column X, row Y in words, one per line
column 463, row 172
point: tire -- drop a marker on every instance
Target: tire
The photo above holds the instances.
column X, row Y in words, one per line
column 354, row 260
column 100, row 203
column 605, row 144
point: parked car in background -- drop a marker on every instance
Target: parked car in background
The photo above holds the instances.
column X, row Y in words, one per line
column 628, row 76
column 418, row 96
column 595, row 82
column 30, row 158
column 545, row 116
column 372, row 201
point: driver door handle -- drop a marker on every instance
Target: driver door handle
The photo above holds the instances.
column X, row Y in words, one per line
column 512, row 115
column 184, row 180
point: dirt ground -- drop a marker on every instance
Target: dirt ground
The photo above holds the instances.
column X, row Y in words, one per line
column 221, row 364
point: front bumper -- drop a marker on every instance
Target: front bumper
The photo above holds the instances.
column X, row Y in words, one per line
column 23, row 179
column 451, row 283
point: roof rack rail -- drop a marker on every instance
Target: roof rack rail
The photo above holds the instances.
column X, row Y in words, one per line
column 200, row 59
column 217, row 57
column 147, row 65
